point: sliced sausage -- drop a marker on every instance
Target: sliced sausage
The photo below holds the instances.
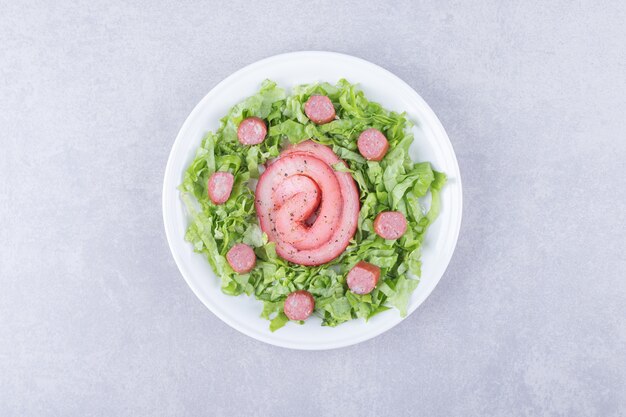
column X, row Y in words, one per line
column 220, row 186
column 390, row 225
column 293, row 185
column 372, row 144
column 251, row 131
column 275, row 189
column 241, row 258
column 289, row 218
column 362, row 279
column 299, row 305
column 319, row 109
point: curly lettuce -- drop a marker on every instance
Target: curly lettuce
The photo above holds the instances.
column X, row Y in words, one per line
column 395, row 183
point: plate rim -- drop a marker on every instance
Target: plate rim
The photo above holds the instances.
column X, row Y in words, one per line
column 442, row 137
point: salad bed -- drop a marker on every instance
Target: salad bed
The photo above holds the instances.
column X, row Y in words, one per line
column 395, row 183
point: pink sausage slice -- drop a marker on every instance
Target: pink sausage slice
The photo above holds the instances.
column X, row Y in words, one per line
column 251, row 131
column 362, row 279
column 285, row 225
column 319, row 109
column 291, row 216
column 372, row 144
column 241, row 258
column 220, row 186
column 390, row 225
column 349, row 191
column 273, row 186
column 299, row 305
column 294, row 185
column 291, row 222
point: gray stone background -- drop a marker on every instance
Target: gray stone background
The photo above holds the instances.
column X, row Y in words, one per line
column 95, row 319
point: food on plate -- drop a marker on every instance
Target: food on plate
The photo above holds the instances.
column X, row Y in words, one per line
column 363, row 277
column 372, row 144
column 319, row 109
column 299, row 305
column 251, row 131
column 390, row 225
column 241, row 258
column 299, row 184
column 219, row 186
column 315, row 207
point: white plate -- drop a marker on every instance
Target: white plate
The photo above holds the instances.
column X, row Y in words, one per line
column 431, row 144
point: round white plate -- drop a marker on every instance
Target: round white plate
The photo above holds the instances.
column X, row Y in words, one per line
column 431, row 144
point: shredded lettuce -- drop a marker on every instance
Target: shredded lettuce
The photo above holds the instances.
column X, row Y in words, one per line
column 395, row 183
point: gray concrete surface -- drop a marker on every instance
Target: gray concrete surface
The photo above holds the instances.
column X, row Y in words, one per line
column 529, row 320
